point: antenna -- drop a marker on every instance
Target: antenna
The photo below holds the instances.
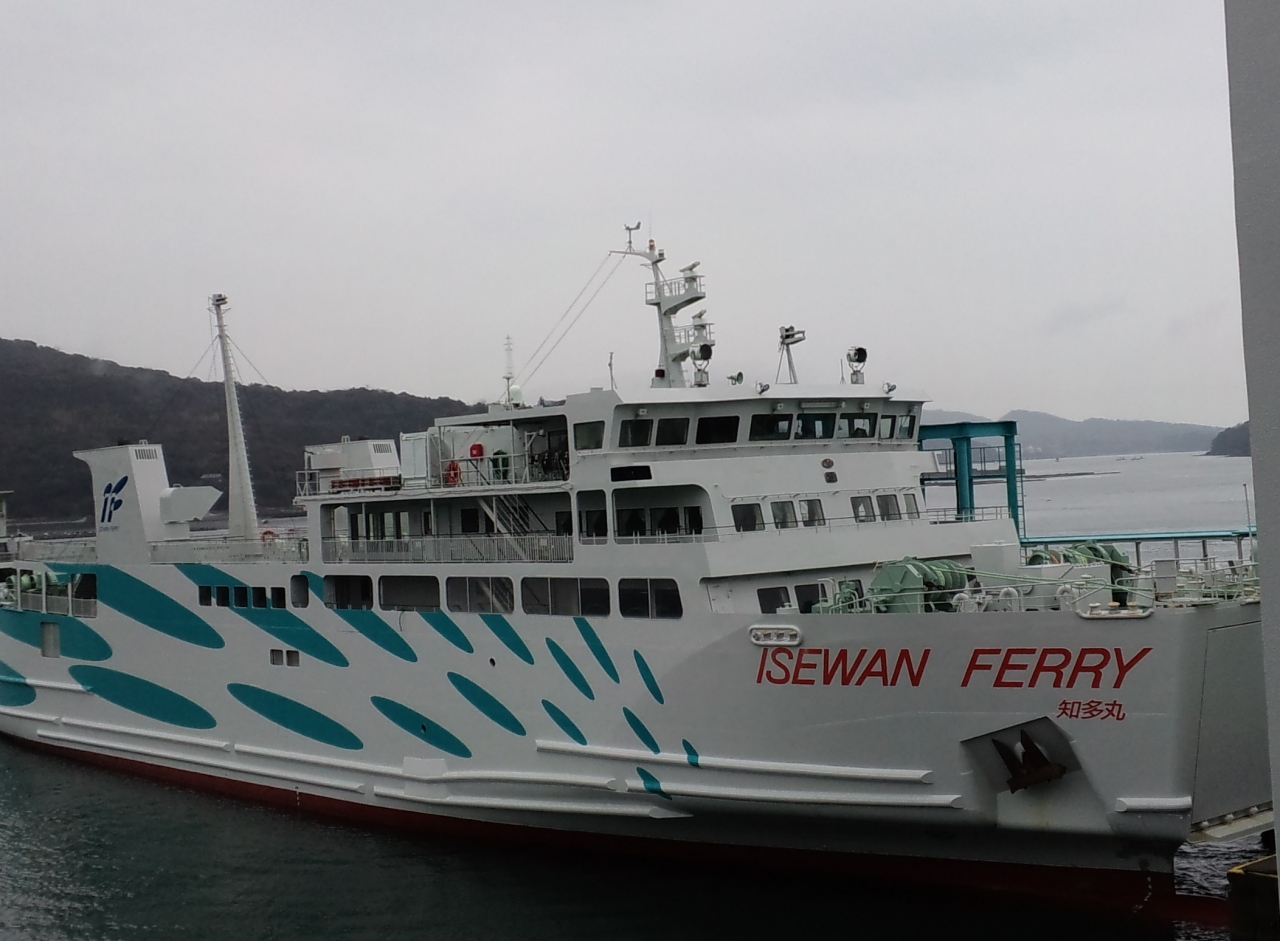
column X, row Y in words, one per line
column 242, row 510
column 787, row 338
column 1248, row 514
column 630, row 229
column 612, row 384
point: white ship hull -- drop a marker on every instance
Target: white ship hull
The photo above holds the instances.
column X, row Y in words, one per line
column 872, row 736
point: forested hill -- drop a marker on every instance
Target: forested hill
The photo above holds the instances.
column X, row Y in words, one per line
column 1232, row 442
column 1043, row 435
column 56, row 403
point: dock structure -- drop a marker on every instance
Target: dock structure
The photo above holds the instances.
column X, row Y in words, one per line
column 1253, row 68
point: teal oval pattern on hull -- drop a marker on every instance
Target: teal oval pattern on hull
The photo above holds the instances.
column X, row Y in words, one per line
column 142, row 696
column 294, row 716
column 503, row 630
column 647, row 675
column 565, row 723
column 76, row 639
column 284, row 626
column 367, row 623
column 592, row 640
column 485, row 702
column 641, row 730
column 419, row 726
column 690, row 752
column 570, row 669
column 652, row 784
column 447, row 629
column 14, row 690
column 150, row 607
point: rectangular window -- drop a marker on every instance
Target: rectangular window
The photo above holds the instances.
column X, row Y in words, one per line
column 595, row 597
column 784, row 514
column 348, row 592
column 633, row 597
column 649, row 598
column 631, row 472
column 693, row 520
column 817, row 425
column 862, row 511
column 888, row 504
column 747, row 517
column 631, row 522
column 811, row 513
column 469, row 519
column 635, row 432
column 807, row 596
column 277, row 597
column 593, row 520
column 717, row 429
column 240, row 596
column 50, row 641
column 665, row 519
column 292, row 658
column 913, row 508
column 409, row 593
column 299, row 591
column 770, row 427
column 480, row 595
column 856, row 425
column 277, row 657
column 672, row 432
column 205, row 595
column 907, row 426
column 588, row 435
column 84, row 596
column 259, row 597
column 887, row 423
column 222, row 596
column 666, row 598
column 535, row 595
column 771, row 599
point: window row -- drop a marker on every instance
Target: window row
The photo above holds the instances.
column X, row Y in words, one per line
column 769, row 426
column 749, row 517
column 241, row 596
column 568, row 597
column 776, row 597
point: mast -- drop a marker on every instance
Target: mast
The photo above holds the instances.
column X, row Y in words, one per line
column 669, row 297
column 242, row 511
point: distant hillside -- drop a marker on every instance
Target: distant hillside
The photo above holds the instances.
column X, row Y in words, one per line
column 56, row 403
column 1232, row 442
column 1044, row 435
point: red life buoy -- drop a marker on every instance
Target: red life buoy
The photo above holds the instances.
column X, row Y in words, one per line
column 452, row 474
column 268, row 537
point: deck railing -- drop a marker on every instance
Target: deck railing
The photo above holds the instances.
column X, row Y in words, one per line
column 492, row 547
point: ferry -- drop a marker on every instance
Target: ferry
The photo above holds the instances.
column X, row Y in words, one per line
column 713, row 620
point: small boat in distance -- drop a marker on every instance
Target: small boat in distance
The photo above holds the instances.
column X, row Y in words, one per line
column 708, row 619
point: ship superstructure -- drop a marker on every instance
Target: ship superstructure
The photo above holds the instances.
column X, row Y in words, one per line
column 715, row 619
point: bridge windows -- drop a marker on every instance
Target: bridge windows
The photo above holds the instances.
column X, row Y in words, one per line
column 784, row 515
column 887, row 425
column 809, row 595
column 815, row 425
column 913, row 508
column 588, row 436
column 717, row 429
column 906, row 426
column 674, row 432
column 768, row 427
column 856, row 425
column 635, row 433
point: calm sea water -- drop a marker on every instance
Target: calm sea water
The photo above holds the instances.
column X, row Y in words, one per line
column 88, row 854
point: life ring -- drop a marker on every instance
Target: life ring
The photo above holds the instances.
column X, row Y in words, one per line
column 268, row 537
column 452, row 474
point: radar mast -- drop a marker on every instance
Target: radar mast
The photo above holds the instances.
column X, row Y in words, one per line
column 242, row 510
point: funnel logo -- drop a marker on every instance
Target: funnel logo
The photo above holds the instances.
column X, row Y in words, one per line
column 110, row 500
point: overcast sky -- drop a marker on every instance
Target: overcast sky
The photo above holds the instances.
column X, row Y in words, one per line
column 1010, row 204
